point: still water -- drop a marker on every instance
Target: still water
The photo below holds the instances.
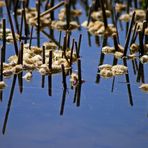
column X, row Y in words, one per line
column 101, row 118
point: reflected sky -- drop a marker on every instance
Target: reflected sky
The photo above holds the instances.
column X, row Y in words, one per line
column 104, row 119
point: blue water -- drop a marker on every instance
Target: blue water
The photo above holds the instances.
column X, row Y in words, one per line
column 104, row 119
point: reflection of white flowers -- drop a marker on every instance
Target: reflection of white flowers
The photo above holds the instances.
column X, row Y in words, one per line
column 144, row 59
column 144, row 87
column 119, row 70
column 27, row 76
column 108, row 71
column 2, row 85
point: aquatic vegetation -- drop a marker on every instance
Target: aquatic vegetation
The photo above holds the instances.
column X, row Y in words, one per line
column 144, row 59
column 134, row 48
column 144, row 87
column 119, row 70
column 9, row 37
column 108, row 50
column 106, row 73
column 2, row 85
column 27, row 76
column 125, row 17
column 105, row 66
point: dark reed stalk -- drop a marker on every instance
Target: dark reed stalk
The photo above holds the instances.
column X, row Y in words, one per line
column 60, row 35
column 128, row 84
column 21, row 26
column 21, row 53
column 135, row 4
column 46, row 4
column 63, row 102
column 78, row 95
column 20, row 82
column 115, row 22
column 97, row 40
column 147, row 15
column 146, row 4
column 76, row 47
column 141, row 43
column 1, row 68
column 116, row 48
column 15, row 15
column 75, row 95
column 26, row 27
column 115, row 61
column 68, row 39
column 43, row 82
column 50, row 75
column 65, row 49
column 140, row 72
column 50, row 59
column 134, row 67
column 89, row 39
column 50, row 85
column 102, row 56
column 52, row 12
column 71, row 54
column 128, row 34
column 79, row 43
column 12, row 27
column 4, row 39
column 20, row 61
column 15, row 7
column 104, row 14
column 27, row 3
column 115, row 42
column 9, row 104
column 146, row 36
column 30, row 42
column 67, row 7
column 90, row 12
column 96, row 5
column 63, row 77
column 134, row 34
column 113, row 84
column 1, row 95
column 79, row 71
column 141, row 37
column 43, row 58
column 38, row 23
column 51, row 9
column 43, row 48
column 127, row 24
column 64, row 46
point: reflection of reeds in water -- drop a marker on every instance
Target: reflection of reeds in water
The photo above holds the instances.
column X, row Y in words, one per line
column 63, row 102
column 38, row 4
column 12, row 28
column 50, row 76
column 9, row 104
column 101, row 61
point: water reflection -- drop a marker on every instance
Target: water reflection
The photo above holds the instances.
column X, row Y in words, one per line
column 9, row 104
column 97, row 111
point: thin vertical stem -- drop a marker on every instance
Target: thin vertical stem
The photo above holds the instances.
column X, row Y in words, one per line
column 4, row 40
column 12, row 27
column 64, row 77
